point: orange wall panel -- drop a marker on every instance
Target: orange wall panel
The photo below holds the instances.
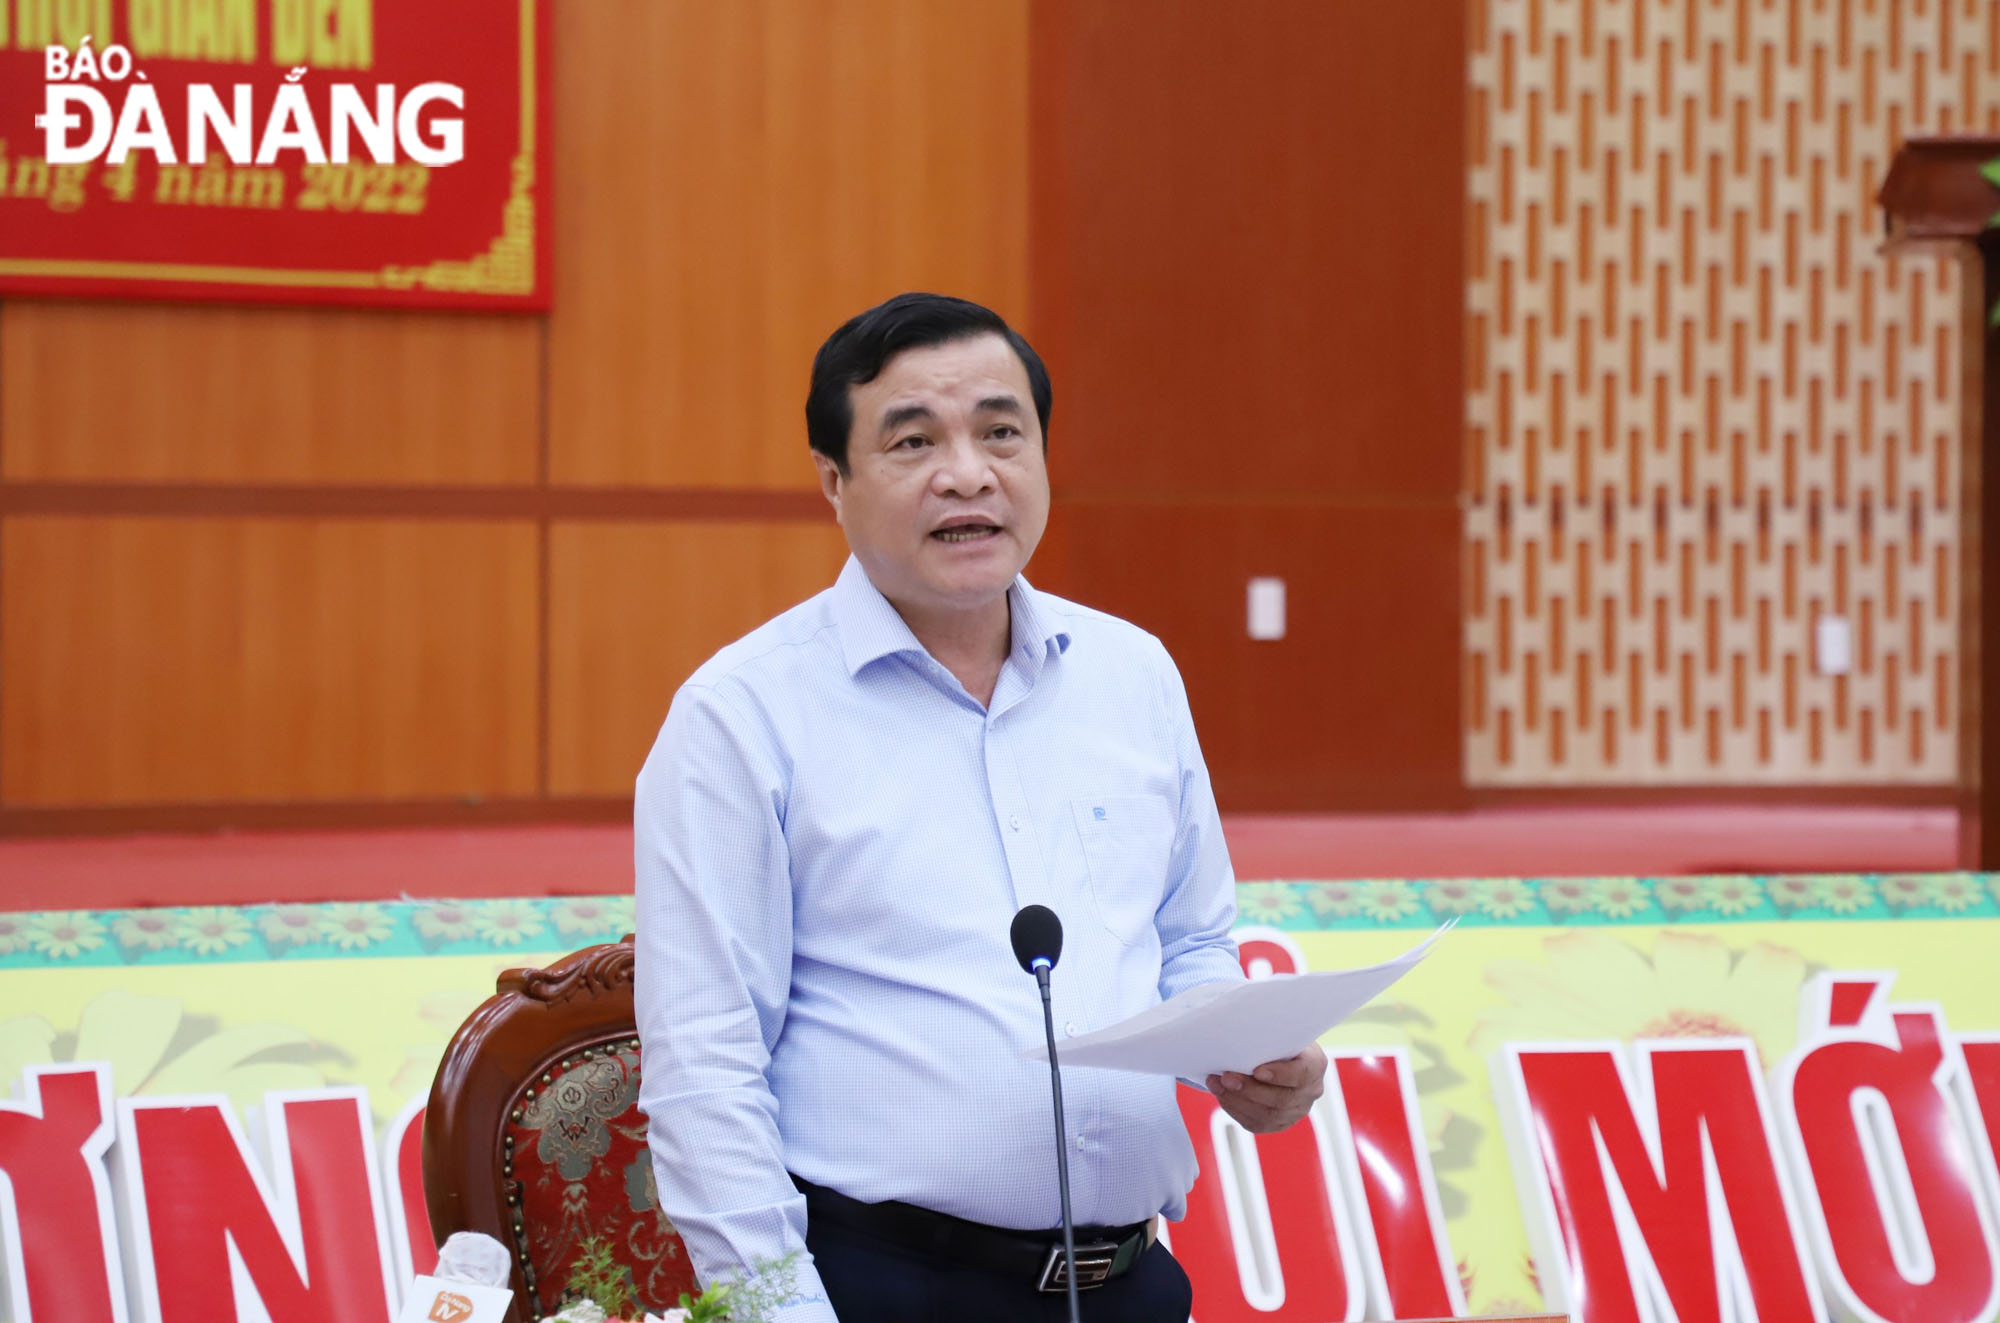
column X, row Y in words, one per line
column 634, row 608
column 739, row 178
column 1247, row 246
column 1249, row 282
column 187, row 660
column 1357, row 707
column 214, row 393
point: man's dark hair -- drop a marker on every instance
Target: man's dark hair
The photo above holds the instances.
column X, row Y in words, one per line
column 857, row 352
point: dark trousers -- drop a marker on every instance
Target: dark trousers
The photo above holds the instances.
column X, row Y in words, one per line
column 871, row 1281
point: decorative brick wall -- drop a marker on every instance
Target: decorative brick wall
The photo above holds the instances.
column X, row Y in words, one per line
column 1704, row 411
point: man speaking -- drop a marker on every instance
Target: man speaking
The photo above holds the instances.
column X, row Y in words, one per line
column 840, row 817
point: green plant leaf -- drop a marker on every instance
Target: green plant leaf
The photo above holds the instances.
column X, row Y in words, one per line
column 1992, row 171
column 599, row 1277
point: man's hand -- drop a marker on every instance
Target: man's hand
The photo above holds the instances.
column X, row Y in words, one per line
column 1274, row 1095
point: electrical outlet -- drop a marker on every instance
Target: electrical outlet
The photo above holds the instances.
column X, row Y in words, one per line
column 1833, row 645
column 1267, row 608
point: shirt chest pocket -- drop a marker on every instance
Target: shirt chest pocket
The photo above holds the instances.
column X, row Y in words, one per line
column 1127, row 843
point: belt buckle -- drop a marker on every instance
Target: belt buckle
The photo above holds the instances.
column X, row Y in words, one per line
column 1093, row 1267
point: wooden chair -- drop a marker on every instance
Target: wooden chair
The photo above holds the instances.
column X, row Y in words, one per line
column 533, row 1134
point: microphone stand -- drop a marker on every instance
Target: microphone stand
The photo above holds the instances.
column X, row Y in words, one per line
column 1042, row 965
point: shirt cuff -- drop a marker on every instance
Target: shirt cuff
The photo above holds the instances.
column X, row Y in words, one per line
column 815, row 1310
column 808, row 1303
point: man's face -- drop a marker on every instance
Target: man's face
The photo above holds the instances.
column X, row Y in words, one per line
column 946, row 493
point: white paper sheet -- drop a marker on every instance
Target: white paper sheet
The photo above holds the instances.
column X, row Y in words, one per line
column 1235, row 1026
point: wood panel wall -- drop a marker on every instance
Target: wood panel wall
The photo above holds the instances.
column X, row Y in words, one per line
column 1707, row 414
column 264, row 565
column 1248, row 280
column 267, row 565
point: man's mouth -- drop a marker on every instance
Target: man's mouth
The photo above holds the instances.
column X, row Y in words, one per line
column 966, row 532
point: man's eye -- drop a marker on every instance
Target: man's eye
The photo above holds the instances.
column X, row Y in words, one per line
column 1006, row 432
column 913, row 442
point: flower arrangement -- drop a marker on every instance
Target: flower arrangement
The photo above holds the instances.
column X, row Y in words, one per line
column 604, row 1290
column 751, row 1299
column 600, row 1280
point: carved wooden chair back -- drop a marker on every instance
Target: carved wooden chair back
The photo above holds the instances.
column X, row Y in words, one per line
column 533, row 1134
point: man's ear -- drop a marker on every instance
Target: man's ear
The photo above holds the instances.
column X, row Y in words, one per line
column 830, row 479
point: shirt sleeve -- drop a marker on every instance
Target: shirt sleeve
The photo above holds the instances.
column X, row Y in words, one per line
column 1199, row 905
column 712, row 982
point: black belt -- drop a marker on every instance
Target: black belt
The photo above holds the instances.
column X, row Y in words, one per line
column 1102, row 1253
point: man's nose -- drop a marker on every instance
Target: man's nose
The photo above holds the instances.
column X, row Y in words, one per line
column 963, row 469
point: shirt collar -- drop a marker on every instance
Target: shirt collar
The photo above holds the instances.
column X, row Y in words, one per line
column 1035, row 626
column 870, row 628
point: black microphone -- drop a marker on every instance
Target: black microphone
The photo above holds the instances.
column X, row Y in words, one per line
column 1037, row 936
column 1037, row 939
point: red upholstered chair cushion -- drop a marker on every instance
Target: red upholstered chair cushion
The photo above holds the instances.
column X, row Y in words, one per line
column 533, row 1134
column 576, row 1145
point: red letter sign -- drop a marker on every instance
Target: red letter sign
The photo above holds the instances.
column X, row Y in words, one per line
column 1981, row 1054
column 1876, row 1131
column 1403, row 1245
column 1661, row 1201
column 215, row 1242
column 57, row 1227
column 1267, row 1236
column 1275, row 1227
column 409, row 1217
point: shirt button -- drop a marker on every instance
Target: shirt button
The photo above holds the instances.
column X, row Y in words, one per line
column 1015, row 822
column 1071, row 1029
column 1081, row 1142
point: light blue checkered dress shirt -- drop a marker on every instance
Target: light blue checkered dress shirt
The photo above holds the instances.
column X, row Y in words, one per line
column 832, row 840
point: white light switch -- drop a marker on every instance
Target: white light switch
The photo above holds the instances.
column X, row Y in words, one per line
column 1833, row 645
column 1267, row 608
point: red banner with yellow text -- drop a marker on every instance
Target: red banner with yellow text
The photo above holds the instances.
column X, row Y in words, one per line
column 294, row 151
